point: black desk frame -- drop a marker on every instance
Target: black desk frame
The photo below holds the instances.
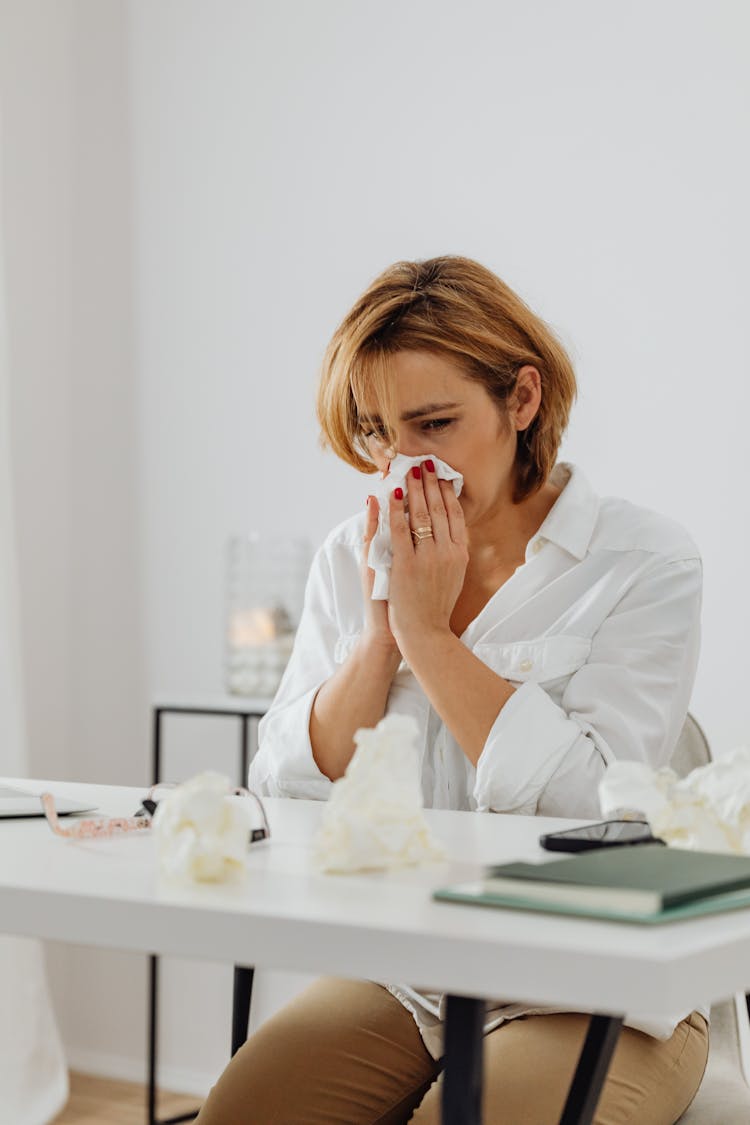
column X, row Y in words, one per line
column 243, row 977
column 462, row 1084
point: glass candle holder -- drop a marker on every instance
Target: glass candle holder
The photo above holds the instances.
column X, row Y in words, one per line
column 266, row 578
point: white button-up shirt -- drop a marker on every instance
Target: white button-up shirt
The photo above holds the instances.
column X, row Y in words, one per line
column 598, row 630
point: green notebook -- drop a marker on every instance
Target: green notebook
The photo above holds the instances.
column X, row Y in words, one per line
column 646, row 883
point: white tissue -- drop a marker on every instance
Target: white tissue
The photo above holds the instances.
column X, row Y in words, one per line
column 373, row 819
column 380, row 555
column 709, row 809
column 202, row 835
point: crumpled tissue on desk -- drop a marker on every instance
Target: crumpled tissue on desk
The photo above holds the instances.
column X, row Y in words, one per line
column 709, row 809
column 201, row 835
column 373, row 819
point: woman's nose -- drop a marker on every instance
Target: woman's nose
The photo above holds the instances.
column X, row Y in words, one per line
column 414, row 446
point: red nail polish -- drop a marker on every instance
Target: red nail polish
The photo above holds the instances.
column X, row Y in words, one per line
column 416, row 472
column 430, row 465
column 398, row 493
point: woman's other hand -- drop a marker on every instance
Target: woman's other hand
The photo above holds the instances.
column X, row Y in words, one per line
column 427, row 573
column 356, row 695
column 377, row 628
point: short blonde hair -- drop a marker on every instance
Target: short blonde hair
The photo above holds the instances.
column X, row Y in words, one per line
column 456, row 307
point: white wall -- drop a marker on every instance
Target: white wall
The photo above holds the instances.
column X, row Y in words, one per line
column 37, row 163
column 283, row 153
column 66, row 220
column 232, row 175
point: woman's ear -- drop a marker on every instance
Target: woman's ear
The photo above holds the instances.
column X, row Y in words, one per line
column 526, row 398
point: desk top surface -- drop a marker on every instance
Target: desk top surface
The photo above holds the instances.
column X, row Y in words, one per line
column 379, row 925
column 212, row 704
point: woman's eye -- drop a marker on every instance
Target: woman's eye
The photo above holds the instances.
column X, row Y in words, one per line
column 436, row 424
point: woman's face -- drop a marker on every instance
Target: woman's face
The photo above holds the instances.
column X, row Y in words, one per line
column 443, row 412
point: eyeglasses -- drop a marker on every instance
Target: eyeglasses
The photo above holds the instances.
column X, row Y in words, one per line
column 113, row 826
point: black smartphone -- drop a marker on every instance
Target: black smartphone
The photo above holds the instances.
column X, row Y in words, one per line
column 607, row 834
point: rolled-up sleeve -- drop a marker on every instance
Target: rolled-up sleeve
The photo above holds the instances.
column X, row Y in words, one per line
column 284, row 765
column 628, row 701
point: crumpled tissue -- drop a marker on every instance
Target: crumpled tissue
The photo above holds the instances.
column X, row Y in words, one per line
column 380, row 555
column 709, row 809
column 373, row 819
column 201, row 835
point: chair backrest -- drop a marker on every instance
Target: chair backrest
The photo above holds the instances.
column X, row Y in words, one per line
column 692, row 748
column 723, row 1095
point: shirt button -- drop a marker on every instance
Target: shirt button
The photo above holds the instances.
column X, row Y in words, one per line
column 537, row 546
column 526, row 665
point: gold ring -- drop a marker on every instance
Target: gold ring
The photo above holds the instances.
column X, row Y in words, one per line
column 422, row 533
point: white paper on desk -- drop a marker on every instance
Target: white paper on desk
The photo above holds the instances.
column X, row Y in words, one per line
column 373, row 819
column 380, row 555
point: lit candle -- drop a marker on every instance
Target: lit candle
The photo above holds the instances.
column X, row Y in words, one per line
column 251, row 627
column 260, row 643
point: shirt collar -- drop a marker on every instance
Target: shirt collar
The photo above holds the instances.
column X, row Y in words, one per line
column 572, row 518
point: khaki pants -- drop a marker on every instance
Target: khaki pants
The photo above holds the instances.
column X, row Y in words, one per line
column 348, row 1053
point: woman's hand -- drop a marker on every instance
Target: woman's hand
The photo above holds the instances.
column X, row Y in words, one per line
column 427, row 573
column 377, row 628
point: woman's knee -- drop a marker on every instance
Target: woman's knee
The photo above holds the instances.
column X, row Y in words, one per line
column 529, row 1064
column 343, row 1051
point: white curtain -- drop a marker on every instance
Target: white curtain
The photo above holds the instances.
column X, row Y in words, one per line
column 33, row 1074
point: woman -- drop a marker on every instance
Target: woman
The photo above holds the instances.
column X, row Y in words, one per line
column 535, row 632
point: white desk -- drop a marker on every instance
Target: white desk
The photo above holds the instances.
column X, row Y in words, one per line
column 382, row 927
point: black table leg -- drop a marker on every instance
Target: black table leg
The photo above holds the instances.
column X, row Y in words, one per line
column 156, row 747
column 593, row 1063
column 462, row 1078
column 242, row 995
column 153, row 967
column 153, row 962
column 153, row 973
column 243, row 977
column 244, row 748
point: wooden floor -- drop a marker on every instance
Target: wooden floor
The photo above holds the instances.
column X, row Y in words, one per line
column 107, row 1101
